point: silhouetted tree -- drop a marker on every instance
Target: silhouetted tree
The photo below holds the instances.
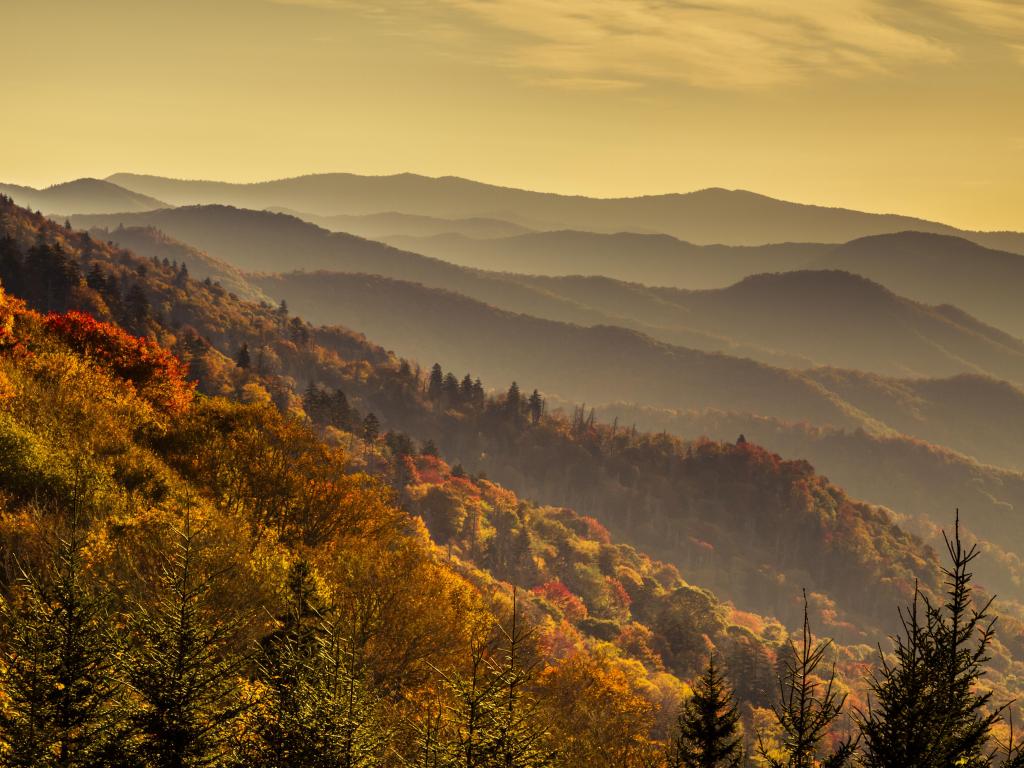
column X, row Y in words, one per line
column 536, row 406
column 807, row 709
column 243, row 360
column 927, row 708
column 707, row 731
column 435, row 384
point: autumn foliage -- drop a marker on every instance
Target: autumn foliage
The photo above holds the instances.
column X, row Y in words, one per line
column 156, row 373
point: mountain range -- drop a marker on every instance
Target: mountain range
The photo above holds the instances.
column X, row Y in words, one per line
column 734, row 217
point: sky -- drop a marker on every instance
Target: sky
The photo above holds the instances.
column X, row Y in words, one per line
column 906, row 106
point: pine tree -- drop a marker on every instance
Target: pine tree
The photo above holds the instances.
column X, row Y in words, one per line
column 317, row 710
column 371, row 428
column 807, row 709
column 182, row 666
column 436, row 382
column 707, row 728
column 492, row 721
column 522, row 740
column 243, row 359
column 58, row 652
column 466, row 389
column 927, row 709
column 536, row 406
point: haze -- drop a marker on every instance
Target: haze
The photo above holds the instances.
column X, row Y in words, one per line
column 912, row 107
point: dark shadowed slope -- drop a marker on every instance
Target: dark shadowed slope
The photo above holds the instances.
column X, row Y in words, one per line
column 379, row 226
column 708, row 216
column 647, row 259
column 977, row 415
column 941, row 270
column 154, row 244
column 594, row 364
column 81, row 196
column 794, row 320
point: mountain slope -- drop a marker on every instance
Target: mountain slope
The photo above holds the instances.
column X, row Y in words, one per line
column 154, row 244
column 378, row 226
column 708, row 216
column 602, row 364
column 81, row 196
column 940, row 270
column 794, row 320
column 640, row 258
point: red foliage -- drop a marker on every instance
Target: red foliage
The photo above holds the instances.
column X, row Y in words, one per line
column 618, row 593
column 596, row 531
column 431, row 469
column 155, row 373
column 556, row 592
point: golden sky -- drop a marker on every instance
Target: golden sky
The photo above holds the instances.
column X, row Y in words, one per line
column 910, row 106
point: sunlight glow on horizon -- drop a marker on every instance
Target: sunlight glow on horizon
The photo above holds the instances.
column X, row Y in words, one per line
column 898, row 107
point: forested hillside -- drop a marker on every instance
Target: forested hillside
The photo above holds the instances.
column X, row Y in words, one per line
column 793, row 320
column 372, row 583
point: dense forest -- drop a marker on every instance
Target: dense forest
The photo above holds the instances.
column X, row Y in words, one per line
column 230, row 538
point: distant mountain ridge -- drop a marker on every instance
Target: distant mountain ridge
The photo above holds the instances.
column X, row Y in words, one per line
column 81, row 196
column 792, row 320
column 377, row 226
column 714, row 215
column 976, row 415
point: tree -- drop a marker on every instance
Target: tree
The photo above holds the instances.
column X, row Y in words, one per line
column 928, row 710
column 493, row 722
column 536, row 406
column 182, row 666
column 707, row 728
column 316, row 709
column 243, row 360
column 807, row 709
column 436, row 382
column 58, row 653
column 137, row 307
column 371, row 428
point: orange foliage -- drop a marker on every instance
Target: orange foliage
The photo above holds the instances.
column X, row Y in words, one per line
column 157, row 374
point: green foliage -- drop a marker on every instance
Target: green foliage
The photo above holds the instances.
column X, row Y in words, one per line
column 59, row 657
column 182, row 664
column 928, row 709
column 707, row 731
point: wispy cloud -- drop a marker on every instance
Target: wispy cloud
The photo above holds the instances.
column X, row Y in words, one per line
column 706, row 43
column 720, row 43
column 1000, row 19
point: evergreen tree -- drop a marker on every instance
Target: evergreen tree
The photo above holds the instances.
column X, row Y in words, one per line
column 450, row 388
column 342, row 415
column 317, row 710
column 807, row 709
column 466, row 389
column 243, row 359
column 492, row 721
column 522, row 740
column 181, row 278
column 436, row 383
column 536, row 406
column 927, row 708
column 707, row 728
column 371, row 428
column 137, row 307
column 182, row 666
column 58, row 654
